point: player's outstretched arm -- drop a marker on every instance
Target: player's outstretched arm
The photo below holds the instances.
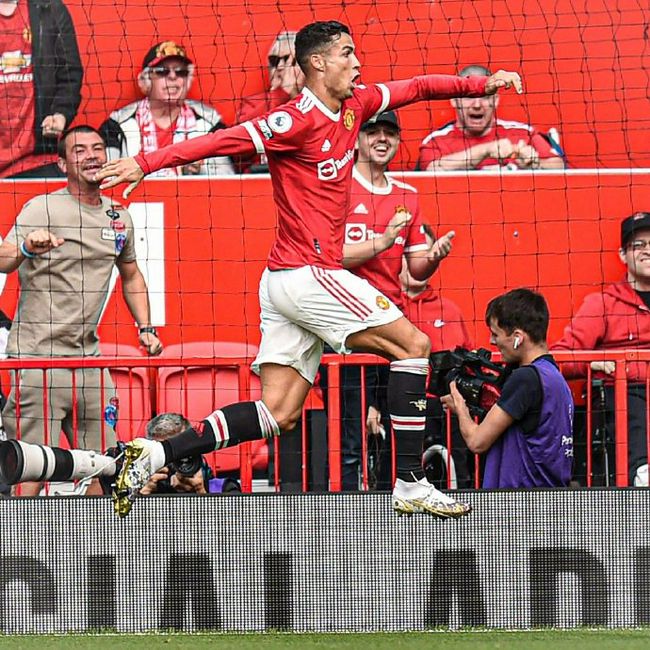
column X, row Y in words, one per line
column 503, row 79
column 124, row 170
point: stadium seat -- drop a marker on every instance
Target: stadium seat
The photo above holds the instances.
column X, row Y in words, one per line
column 133, row 387
column 196, row 391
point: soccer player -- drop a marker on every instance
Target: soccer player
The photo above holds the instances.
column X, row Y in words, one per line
column 306, row 296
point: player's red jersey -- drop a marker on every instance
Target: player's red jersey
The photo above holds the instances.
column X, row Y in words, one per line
column 371, row 209
column 310, row 151
column 451, row 139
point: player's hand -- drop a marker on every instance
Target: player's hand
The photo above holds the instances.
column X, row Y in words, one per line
column 124, row 170
column 151, row 486
column 395, row 225
column 608, row 367
column 41, row 241
column 151, row 343
column 503, row 79
column 53, row 125
column 441, row 247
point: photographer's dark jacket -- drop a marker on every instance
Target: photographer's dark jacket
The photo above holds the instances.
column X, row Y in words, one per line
column 541, row 455
column 57, row 67
column 57, row 75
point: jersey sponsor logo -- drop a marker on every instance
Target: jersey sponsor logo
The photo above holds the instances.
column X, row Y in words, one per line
column 265, row 129
column 280, row 121
column 14, row 61
column 361, row 209
column 438, row 323
column 328, row 169
column 327, row 145
column 348, row 119
column 109, row 234
column 355, row 233
column 382, row 302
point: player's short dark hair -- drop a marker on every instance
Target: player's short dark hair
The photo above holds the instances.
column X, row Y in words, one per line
column 317, row 37
column 82, row 128
column 522, row 309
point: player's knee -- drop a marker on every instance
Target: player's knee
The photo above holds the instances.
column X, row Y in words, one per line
column 287, row 421
column 419, row 346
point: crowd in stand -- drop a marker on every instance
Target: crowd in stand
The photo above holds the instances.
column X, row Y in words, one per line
column 386, row 241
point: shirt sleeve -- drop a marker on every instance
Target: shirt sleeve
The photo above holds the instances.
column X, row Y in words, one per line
column 543, row 146
column 521, row 393
column 30, row 218
column 128, row 253
column 416, row 239
column 235, row 140
column 585, row 332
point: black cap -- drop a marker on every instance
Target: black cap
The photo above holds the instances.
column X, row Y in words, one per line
column 162, row 51
column 638, row 221
column 387, row 117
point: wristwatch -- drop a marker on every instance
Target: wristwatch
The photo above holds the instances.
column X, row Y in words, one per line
column 148, row 330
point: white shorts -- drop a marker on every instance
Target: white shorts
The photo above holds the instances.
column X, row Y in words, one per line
column 301, row 308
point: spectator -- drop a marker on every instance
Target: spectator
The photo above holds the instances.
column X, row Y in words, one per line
column 40, row 85
column 165, row 116
column 383, row 225
column 443, row 322
column 618, row 317
column 65, row 245
column 527, row 435
column 21, row 462
column 285, row 82
column 478, row 140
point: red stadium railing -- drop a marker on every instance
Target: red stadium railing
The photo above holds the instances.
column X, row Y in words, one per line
column 139, row 380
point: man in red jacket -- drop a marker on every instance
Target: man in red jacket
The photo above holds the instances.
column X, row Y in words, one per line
column 619, row 318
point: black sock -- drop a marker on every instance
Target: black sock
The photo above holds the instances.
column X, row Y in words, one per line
column 407, row 407
column 225, row 427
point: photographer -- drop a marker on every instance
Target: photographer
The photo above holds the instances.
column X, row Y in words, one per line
column 22, row 462
column 527, row 434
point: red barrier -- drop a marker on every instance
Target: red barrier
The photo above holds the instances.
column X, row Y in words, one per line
column 335, row 362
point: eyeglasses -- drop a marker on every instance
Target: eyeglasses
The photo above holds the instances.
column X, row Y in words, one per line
column 274, row 60
column 638, row 245
column 161, row 72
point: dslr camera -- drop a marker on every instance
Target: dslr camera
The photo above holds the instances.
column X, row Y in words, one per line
column 478, row 379
column 186, row 466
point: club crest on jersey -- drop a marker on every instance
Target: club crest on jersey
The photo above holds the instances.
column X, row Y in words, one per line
column 355, row 232
column 280, row 121
column 382, row 303
column 348, row 119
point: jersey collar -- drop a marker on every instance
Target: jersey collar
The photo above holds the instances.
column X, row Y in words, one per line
column 335, row 117
column 373, row 189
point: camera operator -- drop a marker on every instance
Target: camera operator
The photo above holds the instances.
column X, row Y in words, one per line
column 528, row 433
